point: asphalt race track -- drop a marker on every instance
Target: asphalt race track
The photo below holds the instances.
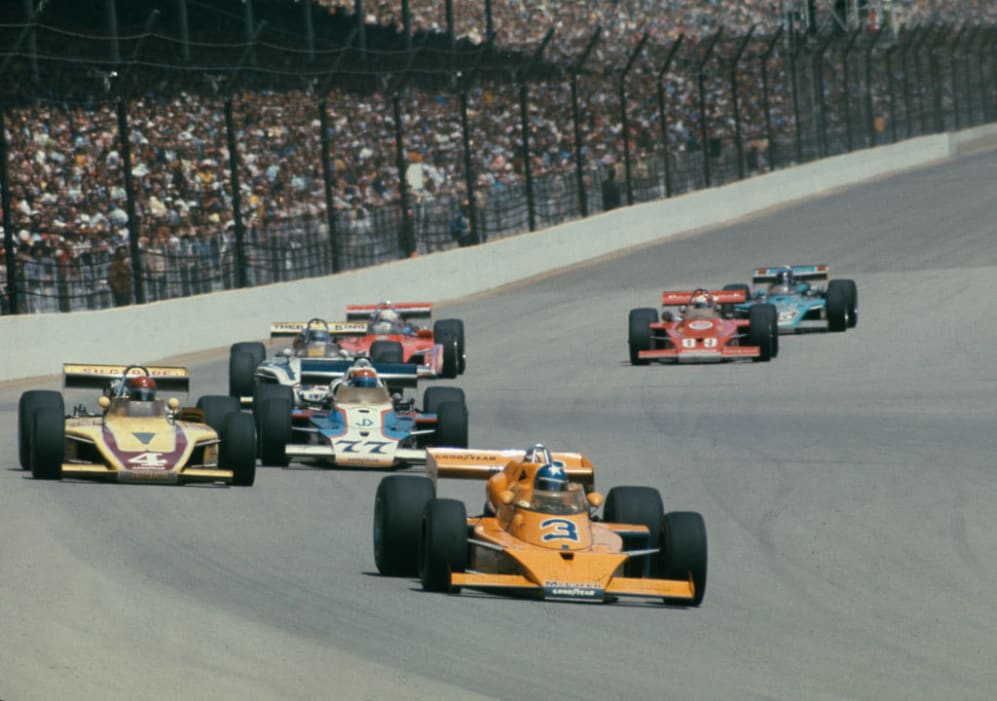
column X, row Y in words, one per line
column 848, row 489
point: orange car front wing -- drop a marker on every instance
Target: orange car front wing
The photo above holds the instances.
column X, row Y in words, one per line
column 578, row 576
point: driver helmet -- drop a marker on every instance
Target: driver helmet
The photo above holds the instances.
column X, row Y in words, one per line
column 550, row 477
column 702, row 300
column 386, row 320
column 785, row 277
column 316, row 334
column 363, row 377
column 142, row 388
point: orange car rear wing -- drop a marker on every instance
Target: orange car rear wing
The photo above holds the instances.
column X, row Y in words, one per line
column 462, row 463
column 680, row 297
column 407, row 310
column 95, row 376
column 283, row 329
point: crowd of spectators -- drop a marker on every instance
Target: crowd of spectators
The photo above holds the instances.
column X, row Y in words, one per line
column 68, row 203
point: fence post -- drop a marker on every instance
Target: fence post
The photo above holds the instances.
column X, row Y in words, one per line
column 663, row 114
column 766, row 103
column 623, row 115
column 922, row 94
column 870, row 115
column 138, row 281
column 406, row 236
column 890, row 88
column 847, row 88
column 475, row 232
column 233, row 159
column 29, row 14
column 909, row 47
column 967, row 72
column 703, row 135
column 935, row 80
column 330, row 200
column 524, row 119
column 818, row 77
column 335, row 255
column 794, row 54
column 583, row 200
column 981, row 73
column 738, row 146
column 10, row 255
column 957, row 42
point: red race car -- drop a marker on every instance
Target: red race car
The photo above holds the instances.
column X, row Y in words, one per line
column 697, row 327
column 386, row 333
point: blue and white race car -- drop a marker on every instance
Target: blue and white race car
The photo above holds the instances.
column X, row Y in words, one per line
column 804, row 298
column 359, row 423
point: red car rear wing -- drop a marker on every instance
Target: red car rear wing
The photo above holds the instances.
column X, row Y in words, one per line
column 407, row 310
column 677, row 298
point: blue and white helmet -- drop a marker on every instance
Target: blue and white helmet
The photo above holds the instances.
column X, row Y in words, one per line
column 551, row 477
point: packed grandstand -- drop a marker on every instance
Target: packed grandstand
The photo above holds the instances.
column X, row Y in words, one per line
column 297, row 85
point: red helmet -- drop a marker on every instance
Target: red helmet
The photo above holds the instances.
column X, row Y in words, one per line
column 363, row 377
column 142, row 388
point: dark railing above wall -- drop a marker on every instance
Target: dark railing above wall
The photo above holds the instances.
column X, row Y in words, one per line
column 149, row 164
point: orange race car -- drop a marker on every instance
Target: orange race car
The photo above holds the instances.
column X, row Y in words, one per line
column 539, row 535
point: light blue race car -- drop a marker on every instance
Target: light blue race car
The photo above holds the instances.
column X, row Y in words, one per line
column 804, row 298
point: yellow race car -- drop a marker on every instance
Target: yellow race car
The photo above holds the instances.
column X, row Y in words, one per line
column 136, row 436
column 539, row 535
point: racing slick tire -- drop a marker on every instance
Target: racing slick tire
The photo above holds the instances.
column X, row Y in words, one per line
column 243, row 360
column 269, row 390
column 763, row 331
column 238, row 449
column 683, row 552
column 836, row 303
column 728, row 311
column 641, row 506
column 639, row 336
column 30, row 402
column 442, row 544
column 449, row 333
column 853, row 302
column 433, row 397
column 274, row 431
column 216, row 408
column 387, row 352
column 451, row 425
column 398, row 508
column 47, row 443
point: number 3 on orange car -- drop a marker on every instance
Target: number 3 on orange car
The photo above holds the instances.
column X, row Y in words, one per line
column 558, row 529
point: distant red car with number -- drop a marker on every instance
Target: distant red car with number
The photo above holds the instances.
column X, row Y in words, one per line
column 698, row 327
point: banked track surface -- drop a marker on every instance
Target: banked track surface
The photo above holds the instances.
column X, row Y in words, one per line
column 848, row 490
